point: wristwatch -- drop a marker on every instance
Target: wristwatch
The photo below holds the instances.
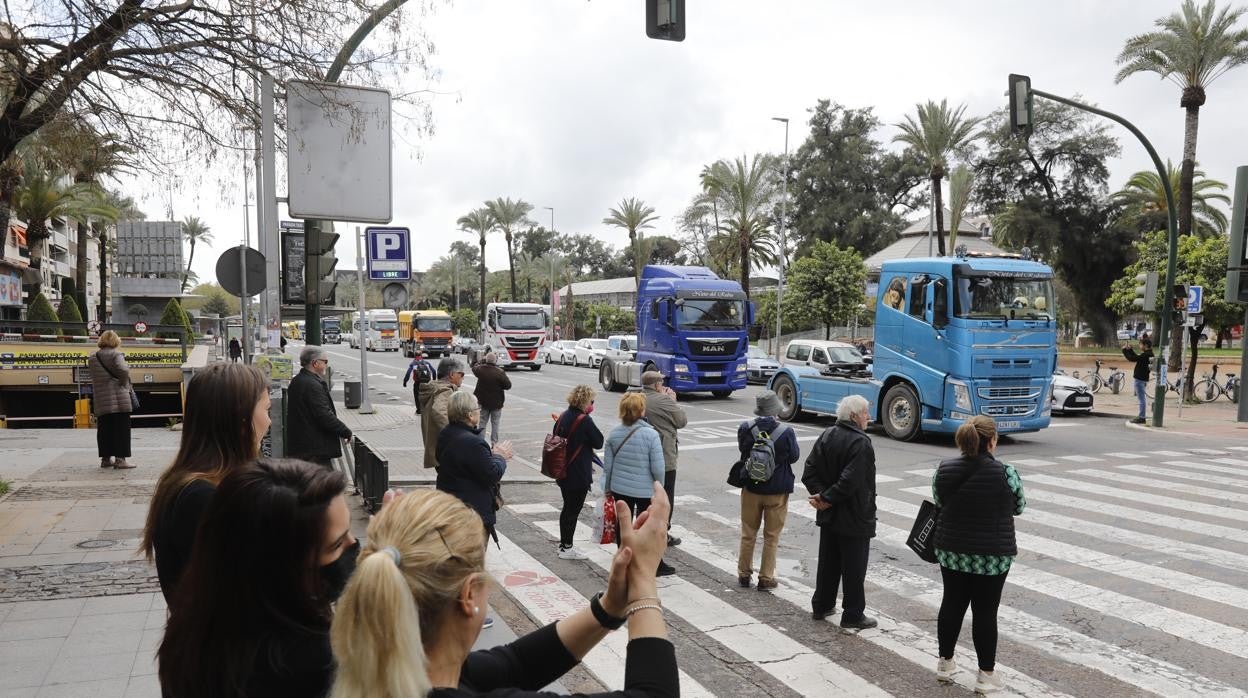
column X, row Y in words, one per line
column 600, row 614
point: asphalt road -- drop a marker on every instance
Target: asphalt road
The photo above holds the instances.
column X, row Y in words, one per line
column 1129, row 581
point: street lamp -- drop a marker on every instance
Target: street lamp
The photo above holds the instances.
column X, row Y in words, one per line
column 551, row 254
column 784, row 223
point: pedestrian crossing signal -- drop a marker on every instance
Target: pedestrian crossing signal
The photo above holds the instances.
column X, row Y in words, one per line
column 665, row 19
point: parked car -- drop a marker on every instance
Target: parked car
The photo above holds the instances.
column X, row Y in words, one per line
column 622, row 346
column 762, row 365
column 589, row 352
column 560, row 352
column 826, row 355
column 1070, row 395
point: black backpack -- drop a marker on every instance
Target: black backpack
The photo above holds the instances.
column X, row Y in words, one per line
column 423, row 373
column 760, row 464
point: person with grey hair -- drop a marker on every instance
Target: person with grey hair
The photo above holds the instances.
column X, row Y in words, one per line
column 313, row 431
column 840, row 476
column 491, row 392
column 434, row 401
column 667, row 418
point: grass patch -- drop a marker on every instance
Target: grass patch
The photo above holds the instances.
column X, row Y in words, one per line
column 4, row 487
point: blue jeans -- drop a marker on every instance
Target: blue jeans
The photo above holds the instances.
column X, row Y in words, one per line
column 1139, row 394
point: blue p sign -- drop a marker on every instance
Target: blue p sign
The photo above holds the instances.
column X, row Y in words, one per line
column 390, row 246
column 389, row 254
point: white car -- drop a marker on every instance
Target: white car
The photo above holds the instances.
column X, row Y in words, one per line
column 622, row 346
column 589, row 352
column 1070, row 395
column 762, row 365
column 560, row 352
column 826, row 355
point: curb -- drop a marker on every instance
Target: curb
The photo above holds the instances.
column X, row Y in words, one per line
column 1164, row 430
column 409, row 481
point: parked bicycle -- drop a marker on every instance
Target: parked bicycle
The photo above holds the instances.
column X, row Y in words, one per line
column 1207, row 389
column 1173, row 390
column 1115, row 380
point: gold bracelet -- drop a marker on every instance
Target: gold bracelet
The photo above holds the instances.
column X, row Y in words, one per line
column 644, row 598
column 634, row 609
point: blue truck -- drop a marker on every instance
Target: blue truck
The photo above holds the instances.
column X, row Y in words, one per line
column 954, row 337
column 693, row 327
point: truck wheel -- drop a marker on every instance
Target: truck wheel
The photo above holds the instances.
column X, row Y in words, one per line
column 902, row 413
column 607, row 378
column 787, row 392
column 535, row 367
column 721, row 393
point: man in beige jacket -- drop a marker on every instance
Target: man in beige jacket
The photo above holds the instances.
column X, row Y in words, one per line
column 666, row 417
column 435, row 398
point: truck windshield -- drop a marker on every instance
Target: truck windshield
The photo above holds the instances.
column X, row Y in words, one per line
column 433, row 324
column 329, row 325
column 385, row 325
column 521, row 321
column 697, row 314
column 1003, row 297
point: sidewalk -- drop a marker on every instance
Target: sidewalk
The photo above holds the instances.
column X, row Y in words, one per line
column 1216, row 419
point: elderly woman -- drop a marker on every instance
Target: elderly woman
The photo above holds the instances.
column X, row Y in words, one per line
column 110, row 384
column 468, row 467
column 633, row 461
column 583, row 437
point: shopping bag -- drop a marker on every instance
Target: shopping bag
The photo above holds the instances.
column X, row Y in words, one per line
column 604, row 520
column 922, row 536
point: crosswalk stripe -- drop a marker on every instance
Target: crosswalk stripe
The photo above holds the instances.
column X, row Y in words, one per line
column 1081, row 459
column 1141, row 497
column 1241, row 497
column 923, row 472
column 1179, row 475
column 1031, row 462
column 1170, row 454
column 1124, row 456
column 1131, row 514
column 886, row 478
column 1181, row 582
column 1208, row 451
column 1231, row 461
column 551, row 600
column 797, row 666
column 1206, row 467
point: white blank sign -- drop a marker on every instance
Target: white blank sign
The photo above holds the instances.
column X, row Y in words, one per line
column 338, row 152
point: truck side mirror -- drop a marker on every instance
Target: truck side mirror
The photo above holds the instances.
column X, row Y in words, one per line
column 751, row 311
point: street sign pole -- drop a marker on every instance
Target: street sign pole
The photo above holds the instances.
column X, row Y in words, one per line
column 366, row 405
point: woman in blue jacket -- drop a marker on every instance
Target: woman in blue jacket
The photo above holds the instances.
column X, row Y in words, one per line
column 633, row 461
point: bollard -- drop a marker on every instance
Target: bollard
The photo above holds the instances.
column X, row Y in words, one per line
column 82, row 413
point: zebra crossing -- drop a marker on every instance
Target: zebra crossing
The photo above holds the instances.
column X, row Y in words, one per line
column 1129, row 581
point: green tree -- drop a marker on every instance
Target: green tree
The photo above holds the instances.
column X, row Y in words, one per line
column 195, row 231
column 632, row 214
column 138, row 310
column 69, row 314
column 613, row 320
column 828, row 285
column 42, row 316
column 93, row 156
column 479, row 221
column 509, row 216
column 961, row 181
column 1193, row 47
column 466, row 322
column 1142, row 202
column 174, row 316
column 936, row 134
column 41, row 196
column 588, row 257
column 796, row 319
column 745, row 188
column 216, row 305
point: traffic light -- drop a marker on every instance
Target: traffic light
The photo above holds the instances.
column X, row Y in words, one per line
column 319, row 269
column 665, row 19
column 1020, row 104
column 1146, row 292
column 1179, row 304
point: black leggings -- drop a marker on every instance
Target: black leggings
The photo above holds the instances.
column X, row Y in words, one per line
column 636, row 505
column 982, row 593
column 573, row 501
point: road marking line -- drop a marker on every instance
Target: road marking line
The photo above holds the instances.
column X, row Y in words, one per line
column 1185, row 505
column 1119, row 454
column 1185, row 488
column 689, row 499
column 1210, row 468
column 1081, row 459
column 533, row 509
column 886, row 478
column 1171, row 454
column 1033, row 462
column 1231, row 461
column 733, row 444
column 1198, row 477
column 925, row 472
column 1208, row 451
column 721, row 520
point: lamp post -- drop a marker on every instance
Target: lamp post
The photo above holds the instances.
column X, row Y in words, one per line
column 552, row 258
column 784, row 224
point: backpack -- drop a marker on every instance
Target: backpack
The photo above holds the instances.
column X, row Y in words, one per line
column 423, row 373
column 760, row 464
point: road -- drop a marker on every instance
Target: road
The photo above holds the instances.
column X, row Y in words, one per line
column 1129, row 581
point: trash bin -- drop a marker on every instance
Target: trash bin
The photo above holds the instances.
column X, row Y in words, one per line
column 351, row 395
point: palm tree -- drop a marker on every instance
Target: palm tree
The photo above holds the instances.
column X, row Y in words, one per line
column 709, row 180
column 195, row 231
column 1142, row 201
column 478, row 221
column 745, row 189
column 508, row 216
column 632, row 215
column 937, row 133
column 41, row 196
column 960, row 182
column 92, row 157
column 1194, row 47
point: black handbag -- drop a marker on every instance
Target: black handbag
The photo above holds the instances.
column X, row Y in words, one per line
column 923, row 533
column 736, row 474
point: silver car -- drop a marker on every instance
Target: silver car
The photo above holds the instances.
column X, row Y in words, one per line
column 762, row 366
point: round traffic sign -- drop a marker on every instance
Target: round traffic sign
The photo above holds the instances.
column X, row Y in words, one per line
column 140, row 327
column 93, row 327
column 230, row 271
column 394, row 296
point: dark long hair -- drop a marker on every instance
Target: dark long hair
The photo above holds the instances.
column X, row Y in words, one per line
column 253, row 575
column 217, row 435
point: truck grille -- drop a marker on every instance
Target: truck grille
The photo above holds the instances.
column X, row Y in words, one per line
column 1022, row 392
column 521, row 342
column 1009, row 410
column 709, row 347
column 713, row 367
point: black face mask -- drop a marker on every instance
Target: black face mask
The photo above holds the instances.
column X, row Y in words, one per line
column 335, row 575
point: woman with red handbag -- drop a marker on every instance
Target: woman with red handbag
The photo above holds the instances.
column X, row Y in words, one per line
column 583, row 437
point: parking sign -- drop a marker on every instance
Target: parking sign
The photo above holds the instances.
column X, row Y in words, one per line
column 389, row 254
column 1195, row 299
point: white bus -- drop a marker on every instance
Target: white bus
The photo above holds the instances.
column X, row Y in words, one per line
column 515, row 331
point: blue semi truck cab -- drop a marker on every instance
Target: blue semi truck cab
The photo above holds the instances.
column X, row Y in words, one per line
column 954, row 337
column 693, row 327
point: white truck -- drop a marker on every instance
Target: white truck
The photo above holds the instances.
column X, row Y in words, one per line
column 381, row 331
column 515, row 331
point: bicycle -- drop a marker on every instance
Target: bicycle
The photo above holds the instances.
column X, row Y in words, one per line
column 1207, row 388
column 1231, row 389
column 1172, row 390
column 1115, row 380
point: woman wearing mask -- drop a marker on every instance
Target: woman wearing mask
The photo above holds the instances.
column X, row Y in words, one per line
column 979, row 497
column 225, row 417
column 111, row 388
column 469, row 467
column 251, row 615
column 408, row 620
column 583, row 437
column 633, row 461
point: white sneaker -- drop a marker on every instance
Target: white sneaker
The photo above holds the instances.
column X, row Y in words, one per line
column 572, row 554
column 988, row 683
column 945, row 669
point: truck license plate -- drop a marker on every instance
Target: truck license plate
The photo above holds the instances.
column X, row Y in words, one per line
column 1011, row 424
column 713, row 374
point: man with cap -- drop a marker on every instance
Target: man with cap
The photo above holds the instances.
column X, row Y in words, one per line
column 422, row 371
column 767, row 502
column 492, row 384
column 666, row 417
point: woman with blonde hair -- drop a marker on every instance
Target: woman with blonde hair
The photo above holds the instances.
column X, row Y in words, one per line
column 225, row 418
column 412, row 611
column 979, row 497
column 111, row 390
column 633, row 461
column 583, row 437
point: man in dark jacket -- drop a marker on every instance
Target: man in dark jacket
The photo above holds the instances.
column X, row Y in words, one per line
column 765, row 503
column 840, row 476
column 1140, row 374
column 667, row 418
column 421, row 371
column 313, row 430
column 492, row 385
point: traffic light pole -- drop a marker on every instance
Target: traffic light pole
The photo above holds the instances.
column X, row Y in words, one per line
column 1159, row 393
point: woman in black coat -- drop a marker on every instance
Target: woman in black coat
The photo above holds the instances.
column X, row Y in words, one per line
column 583, row 437
column 468, row 467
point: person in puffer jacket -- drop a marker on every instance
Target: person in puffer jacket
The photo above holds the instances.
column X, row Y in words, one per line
column 633, row 462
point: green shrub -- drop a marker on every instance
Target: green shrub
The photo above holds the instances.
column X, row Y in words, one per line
column 4, row 487
column 41, row 312
column 69, row 314
column 174, row 316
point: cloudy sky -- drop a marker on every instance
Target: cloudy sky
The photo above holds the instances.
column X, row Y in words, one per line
column 566, row 103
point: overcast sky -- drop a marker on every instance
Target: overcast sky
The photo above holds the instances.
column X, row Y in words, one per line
column 566, row 103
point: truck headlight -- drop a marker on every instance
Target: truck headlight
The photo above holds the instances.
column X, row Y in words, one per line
column 680, row 368
column 961, row 396
column 742, row 367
